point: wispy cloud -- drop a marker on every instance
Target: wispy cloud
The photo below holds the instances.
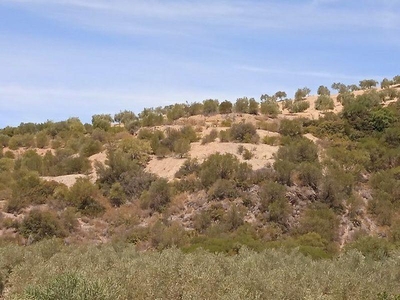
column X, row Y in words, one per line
column 317, row 74
column 180, row 17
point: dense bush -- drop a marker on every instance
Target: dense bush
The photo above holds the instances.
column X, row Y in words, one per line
column 270, row 107
column 225, row 107
column 299, row 106
column 291, row 127
column 210, row 137
column 48, row 270
column 38, row 225
column 222, row 166
column 158, row 195
column 242, row 105
column 222, row 189
column 244, row 133
column 324, row 102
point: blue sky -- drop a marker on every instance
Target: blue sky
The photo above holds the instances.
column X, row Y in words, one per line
column 64, row 58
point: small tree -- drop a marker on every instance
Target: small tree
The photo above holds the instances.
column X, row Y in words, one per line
column 158, row 195
column 242, row 105
column 386, row 83
column 176, row 112
column 324, row 102
column 323, row 90
column 301, row 94
column 253, row 106
column 340, row 87
column 125, row 117
column 225, row 107
column 270, row 107
column 368, row 83
column 244, row 132
column 280, row 95
column 210, row 106
column 181, row 147
column 42, row 140
column 195, row 108
column 39, row 225
column 396, row 79
column 291, row 127
column 299, row 106
column 353, row 88
column 117, row 195
column 102, row 121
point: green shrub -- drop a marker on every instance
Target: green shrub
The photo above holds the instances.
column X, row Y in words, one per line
column 42, row 139
column 244, row 133
column 210, row 106
column 90, row 147
column 298, row 150
column 222, row 189
column 118, row 271
column 41, row 224
column 271, row 140
column 32, row 161
column 247, row 154
column 310, row 174
column 226, row 123
column 210, row 137
column 225, row 107
column 225, row 136
column 372, row 247
column 321, row 220
column 291, row 127
column 190, row 166
column 82, row 195
column 324, row 102
column 242, row 105
column 158, row 196
column 283, row 170
column 299, row 106
column 202, row 221
column 182, row 147
column 218, row 166
column 270, row 108
column 4, row 139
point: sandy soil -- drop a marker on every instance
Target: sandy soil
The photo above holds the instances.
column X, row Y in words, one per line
column 167, row 167
column 68, row 180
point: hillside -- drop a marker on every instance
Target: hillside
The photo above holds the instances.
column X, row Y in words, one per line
column 317, row 172
column 86, row 152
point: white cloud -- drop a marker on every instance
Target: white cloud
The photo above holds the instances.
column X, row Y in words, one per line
column 185, row 17
column 317, row 74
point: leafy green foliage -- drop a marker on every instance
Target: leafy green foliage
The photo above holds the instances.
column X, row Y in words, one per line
column 220, row 166
column 225, row 107
column 368, row 83
column 299, row 106
column 41, row 224
column 242, row 105
column 301, row 94
column 244, row 132
column 324, row 102
column 158, row 195
column 209, row 138
column 270, row 107
column 323, row 90
column 210, row 106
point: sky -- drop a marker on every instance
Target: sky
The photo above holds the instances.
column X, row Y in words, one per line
column 77, row 58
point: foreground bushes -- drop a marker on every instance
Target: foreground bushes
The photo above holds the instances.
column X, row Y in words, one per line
column 49, row 270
